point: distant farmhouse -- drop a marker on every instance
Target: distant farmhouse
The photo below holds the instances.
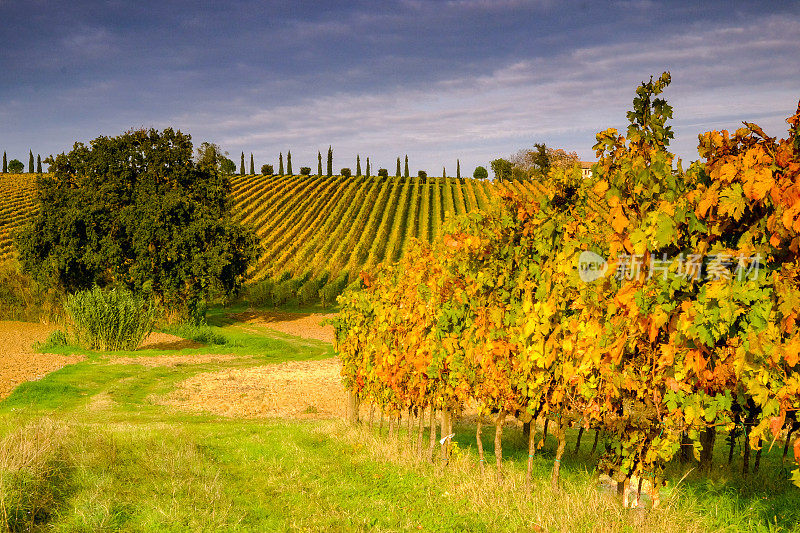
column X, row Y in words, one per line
column 586, row 168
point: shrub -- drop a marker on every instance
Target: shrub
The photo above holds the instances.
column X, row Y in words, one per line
column 383, row 173
column 15, row 166
column 267, row 170
column 334, row 288
column 202, row 333
column 259, row 294
column 309, row 292
column 480, row 173
column 56, row 339
column 422, row 174
column 346, row 172
column 110, row 320
column 305, row 171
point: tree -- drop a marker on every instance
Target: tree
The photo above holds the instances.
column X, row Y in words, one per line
column 458, row 169
column 267, row 170
column 358, row 165
column 241, row 165
column 422, row 174
column 330, row 161
column 289, row 163
column 444, row 172
column 367, row 173
column 30, row 162
column 346, row 172
column 136, row 211
column 280, row 165
column 210, row 154
column 405, row 174
column 539, row 160
column 398, row 168
column 305, row 171
column 252, row 164
column 5, row 164
column 383, row 173
column 480, row 173
column 502, row 169
column 15, row 166
column 319, row 163
column 38, row 163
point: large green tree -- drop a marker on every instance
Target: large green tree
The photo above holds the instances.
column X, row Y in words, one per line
column 15, row 166
column 502, row 169
column 137, row 211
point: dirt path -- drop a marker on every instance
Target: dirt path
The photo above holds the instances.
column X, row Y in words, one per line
column 18, row 362
column 308, row 326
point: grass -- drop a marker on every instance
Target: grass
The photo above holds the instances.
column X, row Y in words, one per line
column 124, row 462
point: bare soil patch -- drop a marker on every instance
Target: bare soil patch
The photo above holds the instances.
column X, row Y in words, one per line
column 305, row 325
column 18, row 362
column 172, row 360
column 295, row 389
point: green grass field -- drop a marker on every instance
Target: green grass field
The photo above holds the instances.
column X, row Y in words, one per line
column 88, row 449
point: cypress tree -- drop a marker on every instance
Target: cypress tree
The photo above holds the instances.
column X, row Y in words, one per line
column 358, row 165
column 5, row 164
column 368, row 167
column 330, row 161
column 319, row 163
column 30, row 162
column 406, row 169
column 280, row 165
column 444, row 173
column 38, row 163
column 241, row 166
column 289, row 162
column 252, row 164
column 398, row 167
column 458, row 169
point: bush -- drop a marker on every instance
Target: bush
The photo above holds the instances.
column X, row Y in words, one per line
column 202, row 333
column 346, row 172
column 480, row 173
column 56, row 339
column 334, row 288
column 22, row 298
column 110, row 320
column 422, row 174
column 259, row 294
column 267, row 170
column 35, row 475
column 309, row 292
column 305, row 171
column 383, row 173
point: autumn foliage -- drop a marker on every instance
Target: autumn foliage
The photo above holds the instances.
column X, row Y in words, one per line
column 690, row 327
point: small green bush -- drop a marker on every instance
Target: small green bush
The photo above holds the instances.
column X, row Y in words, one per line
column 259, row 294
column 202, row 333
column 56, row 339
column 110, row 320
column 305, row 171
column 383, row 173
column 267, row 170
column 422, row 174
column 346, row 172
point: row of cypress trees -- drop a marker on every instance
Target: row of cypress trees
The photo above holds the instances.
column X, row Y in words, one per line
column 17, row 166
column 329, row 167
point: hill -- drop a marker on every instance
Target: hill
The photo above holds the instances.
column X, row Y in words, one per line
column 317, row 232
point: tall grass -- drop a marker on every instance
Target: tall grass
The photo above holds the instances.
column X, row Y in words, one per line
column 110, row 320
column 35, row 470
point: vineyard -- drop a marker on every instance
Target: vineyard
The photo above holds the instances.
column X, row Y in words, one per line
column 317, row 233
column 686, row 331
column 17, row 197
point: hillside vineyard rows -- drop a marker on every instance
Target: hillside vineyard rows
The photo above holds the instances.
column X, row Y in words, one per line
column 317, row 232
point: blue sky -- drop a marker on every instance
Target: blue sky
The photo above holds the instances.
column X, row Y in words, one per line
column 467, row 79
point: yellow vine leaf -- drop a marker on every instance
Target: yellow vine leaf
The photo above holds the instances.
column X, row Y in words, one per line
column 757, row 182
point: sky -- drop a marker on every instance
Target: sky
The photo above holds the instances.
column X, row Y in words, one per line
column 472, row 80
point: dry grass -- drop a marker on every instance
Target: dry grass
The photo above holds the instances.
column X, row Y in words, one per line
column 35, row 466
column 580, row 504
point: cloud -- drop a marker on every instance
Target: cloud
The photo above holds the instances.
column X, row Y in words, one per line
column 562, row 100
